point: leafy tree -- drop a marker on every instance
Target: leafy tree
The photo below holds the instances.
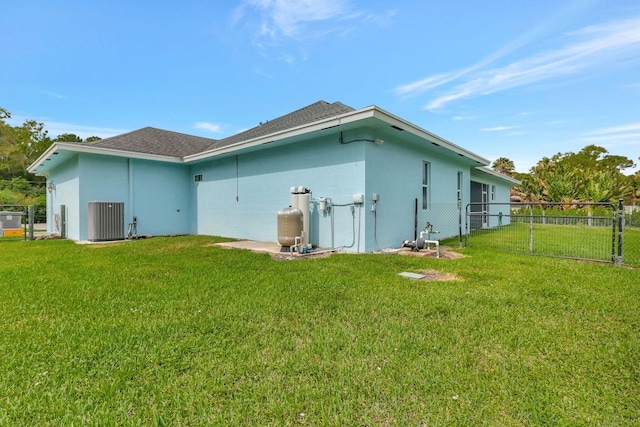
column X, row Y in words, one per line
column 19, row 146
column 72, row 137
column 634, row 185
column 68, row 137
column 589, row 175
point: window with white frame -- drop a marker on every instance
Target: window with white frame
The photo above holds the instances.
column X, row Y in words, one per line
column 493, row 193
column 426, row 179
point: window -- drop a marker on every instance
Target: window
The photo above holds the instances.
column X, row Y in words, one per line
column 426, row 177
column 493, row 193
column 197, row 177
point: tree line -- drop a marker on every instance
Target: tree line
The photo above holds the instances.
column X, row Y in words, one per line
column 20, row 146
column 590, row 175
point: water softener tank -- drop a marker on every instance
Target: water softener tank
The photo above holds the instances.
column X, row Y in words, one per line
column 290, row 225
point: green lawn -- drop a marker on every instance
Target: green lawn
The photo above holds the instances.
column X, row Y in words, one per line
column 573, row 241
column 175, row 331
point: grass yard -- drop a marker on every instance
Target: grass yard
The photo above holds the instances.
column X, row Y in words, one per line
column 573, row 241
column 175, row 331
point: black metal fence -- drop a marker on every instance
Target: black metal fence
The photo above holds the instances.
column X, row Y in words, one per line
column 587, row 231
column 632, row 216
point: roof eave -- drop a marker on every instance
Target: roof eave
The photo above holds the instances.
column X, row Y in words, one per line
column 401, row 124
column 349, row 117
column 82, row 148
column 284, row 134
column 498, row 175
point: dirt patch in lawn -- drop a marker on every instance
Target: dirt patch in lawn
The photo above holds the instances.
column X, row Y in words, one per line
column 282, row 256
column 438, row 276
column 445, row 253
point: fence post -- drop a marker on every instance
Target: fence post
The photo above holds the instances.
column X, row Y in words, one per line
column 530, row 229
column 415, row 225
column 620, row 230
column 460, row 223
column 63, row 221
column 31, row 211
column 467, row 220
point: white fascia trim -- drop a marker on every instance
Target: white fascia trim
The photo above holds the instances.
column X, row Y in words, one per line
column 394, row 120
column 48, row 152
column 77, row 148
column 353, row 116
column 287, row 133
column 498, row 175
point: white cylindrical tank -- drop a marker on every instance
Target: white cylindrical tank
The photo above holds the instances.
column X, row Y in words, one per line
column 289, row 226
column 300, row 199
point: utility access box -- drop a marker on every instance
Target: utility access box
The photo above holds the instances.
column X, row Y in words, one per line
column 11, row 219
column 106, row 221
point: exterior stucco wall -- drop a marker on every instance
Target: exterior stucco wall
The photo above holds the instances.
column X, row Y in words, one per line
column 395, row 172
column 102, row 179
column 261, row 183
column 160, row 197
column 240, row 196
column 66, row 193
column 156, row 193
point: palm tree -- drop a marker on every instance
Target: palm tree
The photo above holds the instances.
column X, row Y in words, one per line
column 504, row 166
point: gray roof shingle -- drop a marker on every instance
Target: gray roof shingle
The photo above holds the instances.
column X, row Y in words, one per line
column 309, row 114
column 154, row 141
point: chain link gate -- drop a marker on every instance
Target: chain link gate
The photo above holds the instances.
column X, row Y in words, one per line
column 584, row 231
column 442, row 221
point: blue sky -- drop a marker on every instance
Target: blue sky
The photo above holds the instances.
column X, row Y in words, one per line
column 516, row 79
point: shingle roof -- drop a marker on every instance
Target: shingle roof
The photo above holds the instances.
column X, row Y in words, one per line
column 156, row 141
column 309, row 114
column 166, row 143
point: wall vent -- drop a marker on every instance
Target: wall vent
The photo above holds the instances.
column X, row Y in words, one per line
column 106, row 221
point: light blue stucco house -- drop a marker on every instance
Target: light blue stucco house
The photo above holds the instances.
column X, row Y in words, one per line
column 371, row 177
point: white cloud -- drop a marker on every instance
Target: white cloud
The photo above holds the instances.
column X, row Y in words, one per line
column 616, row 129
column 52, row 94
column 431, row 82
column 275, row 20
column 211, row 127
column 497, row 128
column 616, row 136
column 287, row 17
column 634, row 137
column 591, row 48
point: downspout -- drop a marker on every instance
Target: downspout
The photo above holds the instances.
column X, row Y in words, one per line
column 131, row 198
